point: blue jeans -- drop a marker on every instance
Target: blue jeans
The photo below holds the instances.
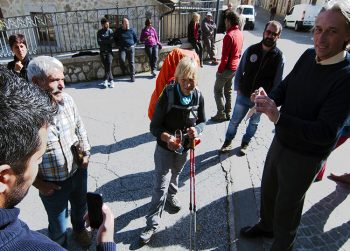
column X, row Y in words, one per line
column 242, row 106
column 168, row 166
column 129, row 53
column 73, row 190
column 152, row 53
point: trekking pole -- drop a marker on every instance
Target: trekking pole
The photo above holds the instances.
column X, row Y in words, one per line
column 193, row 222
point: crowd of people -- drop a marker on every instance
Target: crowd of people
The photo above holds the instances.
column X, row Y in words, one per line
column 310, row 109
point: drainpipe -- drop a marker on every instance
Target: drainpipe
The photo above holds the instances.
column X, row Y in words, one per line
column 217, row 16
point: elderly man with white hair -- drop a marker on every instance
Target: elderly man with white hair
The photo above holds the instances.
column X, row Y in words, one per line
column 61, row 178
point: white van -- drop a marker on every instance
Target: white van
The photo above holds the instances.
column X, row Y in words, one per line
column 248, row 12
column 302, row 16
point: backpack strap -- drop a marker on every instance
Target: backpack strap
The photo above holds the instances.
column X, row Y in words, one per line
column 170, row 90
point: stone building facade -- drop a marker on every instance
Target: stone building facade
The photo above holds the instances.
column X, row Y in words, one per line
column 283, row 6
column 12, row 8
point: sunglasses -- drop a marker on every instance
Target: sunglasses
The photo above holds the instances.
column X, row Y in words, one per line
column 274, row 34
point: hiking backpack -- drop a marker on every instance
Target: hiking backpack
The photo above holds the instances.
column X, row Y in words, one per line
column 170, row 91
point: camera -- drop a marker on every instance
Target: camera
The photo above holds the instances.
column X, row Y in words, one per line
column 94, row 205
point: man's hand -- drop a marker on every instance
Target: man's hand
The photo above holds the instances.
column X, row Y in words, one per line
column 105, row 232
column 46, row 188
column 266, row 105
column 85, row 162
column 18, row 66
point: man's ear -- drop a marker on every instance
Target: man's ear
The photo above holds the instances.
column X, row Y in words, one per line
column 39, row 82
column 7, row 177
column 35, row 80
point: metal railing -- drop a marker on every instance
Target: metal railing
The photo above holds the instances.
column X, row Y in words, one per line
column 73, row 31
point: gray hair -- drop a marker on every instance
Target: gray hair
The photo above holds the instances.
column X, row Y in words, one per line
column 43, row 66
column 341, row 6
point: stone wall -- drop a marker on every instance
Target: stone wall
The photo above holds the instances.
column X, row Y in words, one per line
column 88, row 68
column 12, row 8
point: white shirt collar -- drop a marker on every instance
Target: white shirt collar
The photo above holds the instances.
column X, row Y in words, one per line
column 332, row 60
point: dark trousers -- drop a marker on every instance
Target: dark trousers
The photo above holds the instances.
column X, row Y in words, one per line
column 152, row 54
column 107, row 59
column 199, row 50
column 127, row 53
column 209, row 46
column 286, row 178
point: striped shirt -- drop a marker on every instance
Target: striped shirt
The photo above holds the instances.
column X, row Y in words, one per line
column 66, row 129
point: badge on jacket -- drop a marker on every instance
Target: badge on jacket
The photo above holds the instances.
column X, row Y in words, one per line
column 253, row 58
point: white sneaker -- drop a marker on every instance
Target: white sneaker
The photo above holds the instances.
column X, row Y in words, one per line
column 111, row 84
column 104, row 84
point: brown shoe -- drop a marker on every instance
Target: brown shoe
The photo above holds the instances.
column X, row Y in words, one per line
column 226, row 147
column 83, row 238
column 214, row 62
column 243, row 150
column 219, row 118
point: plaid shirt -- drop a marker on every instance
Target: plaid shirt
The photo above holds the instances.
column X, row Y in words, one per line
column 67, row 128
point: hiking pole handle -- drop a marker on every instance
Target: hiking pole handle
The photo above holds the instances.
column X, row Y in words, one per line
column 192, row 143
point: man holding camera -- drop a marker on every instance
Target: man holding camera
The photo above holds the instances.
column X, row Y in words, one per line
column 60, row 179
column 26, row 113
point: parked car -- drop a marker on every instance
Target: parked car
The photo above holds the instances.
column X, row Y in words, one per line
column 248, row 12
column 302, row 16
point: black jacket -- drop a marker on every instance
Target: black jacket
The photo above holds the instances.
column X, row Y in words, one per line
column 315, row 103
column 23, row 72
column 175, row 118
column 105, row 39
column 190, row 31
column 259, row 70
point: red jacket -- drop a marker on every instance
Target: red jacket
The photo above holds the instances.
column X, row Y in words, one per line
column 231, row 49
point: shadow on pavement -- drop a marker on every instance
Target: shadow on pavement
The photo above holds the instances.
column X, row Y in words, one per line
column 138, row 186
column 211, row 231
column 124, row 144
column 131, row 187
column 311, row 232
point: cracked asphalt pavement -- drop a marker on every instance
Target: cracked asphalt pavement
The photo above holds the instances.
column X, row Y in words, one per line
column 227, row 186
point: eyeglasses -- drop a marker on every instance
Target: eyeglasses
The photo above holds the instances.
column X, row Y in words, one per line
column 274, row 34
